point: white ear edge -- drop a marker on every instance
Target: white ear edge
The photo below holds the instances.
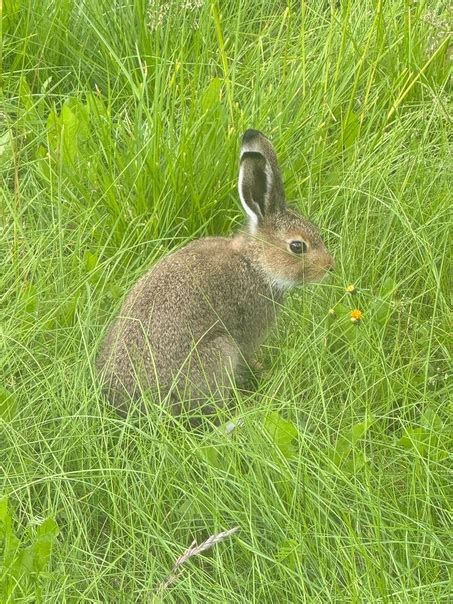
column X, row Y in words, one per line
column 269, row 183
column 253, row 217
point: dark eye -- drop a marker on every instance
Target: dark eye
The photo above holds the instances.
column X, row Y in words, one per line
column 298, row 247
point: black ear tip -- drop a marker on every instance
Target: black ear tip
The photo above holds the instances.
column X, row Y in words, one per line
column 250, row 134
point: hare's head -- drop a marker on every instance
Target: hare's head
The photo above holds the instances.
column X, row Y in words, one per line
column 291, row 251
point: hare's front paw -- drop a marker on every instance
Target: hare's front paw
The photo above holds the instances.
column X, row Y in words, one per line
column 256, row 366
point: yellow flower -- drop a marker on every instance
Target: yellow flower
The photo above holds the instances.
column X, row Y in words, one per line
column 356, row 315
column 350, row 289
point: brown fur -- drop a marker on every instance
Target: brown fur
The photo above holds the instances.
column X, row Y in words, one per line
column 192, row 323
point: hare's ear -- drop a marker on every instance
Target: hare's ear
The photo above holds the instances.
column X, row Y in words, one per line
column 260, row 182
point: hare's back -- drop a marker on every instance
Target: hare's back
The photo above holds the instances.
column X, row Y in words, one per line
column 192, row 289
column 211, row 287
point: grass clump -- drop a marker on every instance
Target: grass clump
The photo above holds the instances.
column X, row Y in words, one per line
column 119, row 132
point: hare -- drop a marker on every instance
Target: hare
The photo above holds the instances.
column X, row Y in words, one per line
column 190, row 326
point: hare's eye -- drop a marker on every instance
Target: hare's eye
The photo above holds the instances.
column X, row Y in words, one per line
column 298, row 247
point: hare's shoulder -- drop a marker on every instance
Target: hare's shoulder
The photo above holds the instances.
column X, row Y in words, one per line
column 193, row 262
column 207, row 246
column 201, row 253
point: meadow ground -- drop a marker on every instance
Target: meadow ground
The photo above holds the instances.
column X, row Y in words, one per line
column 120, row 125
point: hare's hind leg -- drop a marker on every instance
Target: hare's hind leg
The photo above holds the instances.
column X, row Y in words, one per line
column 220, row 362
column 208, row 375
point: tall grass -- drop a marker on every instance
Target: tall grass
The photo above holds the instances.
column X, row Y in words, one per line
column 119, row 131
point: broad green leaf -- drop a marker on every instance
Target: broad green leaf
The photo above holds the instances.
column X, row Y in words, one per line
column 69, row 126
column 53, row 131
column 342, row 448
column 431, row 421
column 212, row 456
column 6, row 148
column 67, row 310
column 359, row 430
column 82, row 114
column 344, row 453
column 354, row 462
column 8, row 405
column 90, row 261
column 388, row 287
column 382, row 312
column 115, row 291
column 283, row 433
column 4, row 509
column 25, row 96
column 95, row 105
column 414, row 438
column 341, row 310
column 24, row 563
column 433, row 442
column 9, row 543
column 187, row 511
column 211, row 94
column 423, row 336
column 351, row 330
column 350, row 129
column 287, row 553
column 43, row 162
column 30, row 297
column 69, row 130
column 48, row 529
column 11, row 14
column 45, row 537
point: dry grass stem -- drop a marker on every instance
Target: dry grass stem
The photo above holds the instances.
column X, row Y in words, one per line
column 194, row 550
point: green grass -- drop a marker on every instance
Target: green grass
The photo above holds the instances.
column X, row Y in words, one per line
column 119, row 140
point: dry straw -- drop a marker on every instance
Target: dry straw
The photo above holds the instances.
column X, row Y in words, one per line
column 191, row 551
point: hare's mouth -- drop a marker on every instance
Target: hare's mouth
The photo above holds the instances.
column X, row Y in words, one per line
column 321, row 269
column 317, row 275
